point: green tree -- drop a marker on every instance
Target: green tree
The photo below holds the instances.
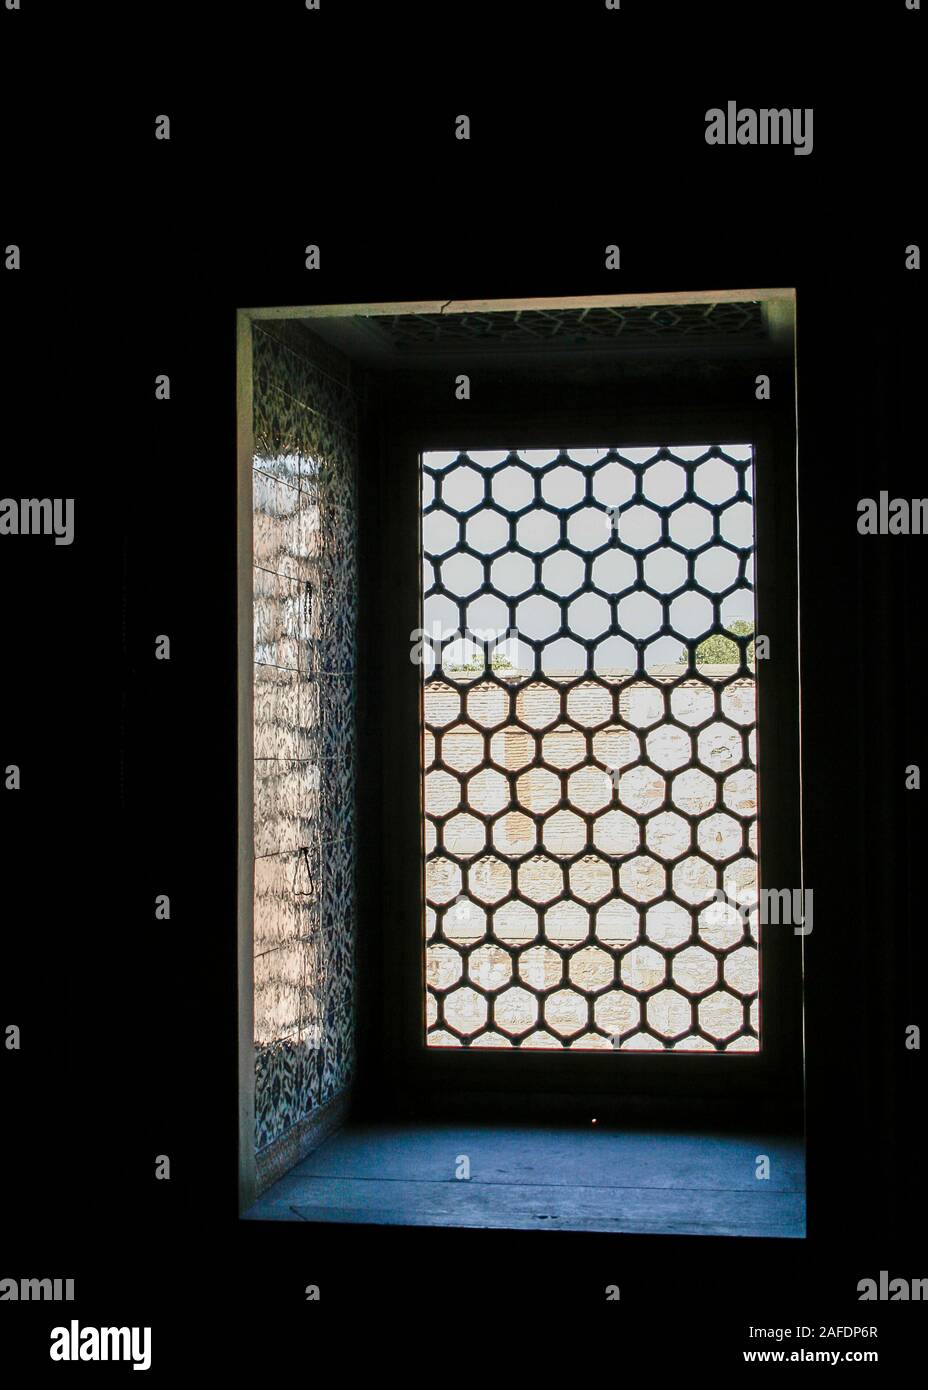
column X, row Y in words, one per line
column 498, row 662
column 720, row 650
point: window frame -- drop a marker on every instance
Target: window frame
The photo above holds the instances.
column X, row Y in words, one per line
column 418, row 1073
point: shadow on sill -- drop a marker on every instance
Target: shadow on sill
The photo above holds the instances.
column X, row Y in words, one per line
column 595, row 1178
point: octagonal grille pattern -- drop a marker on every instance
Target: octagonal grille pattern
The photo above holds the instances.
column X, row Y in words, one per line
column 530, row 328
column 589, row 756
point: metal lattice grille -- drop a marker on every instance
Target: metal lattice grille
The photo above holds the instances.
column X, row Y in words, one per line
column 601, row 324
column 589, row 748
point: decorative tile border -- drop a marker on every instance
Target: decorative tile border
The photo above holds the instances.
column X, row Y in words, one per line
column 301, row 1139
column 305, row 524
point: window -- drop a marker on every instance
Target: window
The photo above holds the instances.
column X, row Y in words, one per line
column 589, row 749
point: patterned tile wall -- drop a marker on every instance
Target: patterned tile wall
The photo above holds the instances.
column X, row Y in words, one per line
column 305, row 607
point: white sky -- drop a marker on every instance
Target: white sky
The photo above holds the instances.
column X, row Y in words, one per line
column 588, row 529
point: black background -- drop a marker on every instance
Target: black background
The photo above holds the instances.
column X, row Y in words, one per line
column 337, row 127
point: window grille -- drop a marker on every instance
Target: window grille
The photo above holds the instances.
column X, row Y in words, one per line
column 533, row 328
column 589, row 756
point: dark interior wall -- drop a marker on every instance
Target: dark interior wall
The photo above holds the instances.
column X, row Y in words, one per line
column 863, row 655
column 129, row 1023
column 549, row 399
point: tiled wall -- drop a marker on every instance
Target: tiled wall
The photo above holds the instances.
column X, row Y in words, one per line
column 305, row 605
